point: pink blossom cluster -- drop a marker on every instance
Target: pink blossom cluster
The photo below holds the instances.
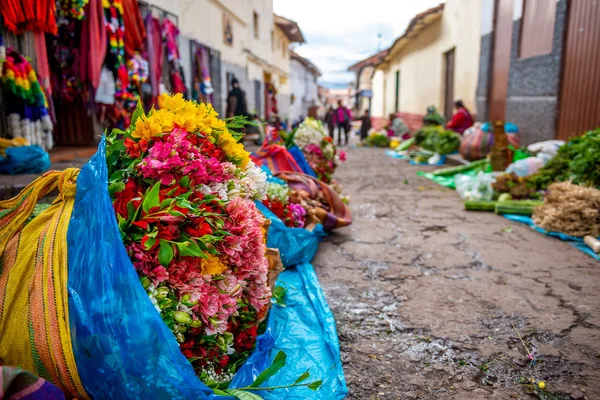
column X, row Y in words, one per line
column 298, row 213
column 174, row 156
column 245, row 249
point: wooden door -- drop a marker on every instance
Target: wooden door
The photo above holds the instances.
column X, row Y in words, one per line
column 579, row 108
column 500, row 69
column 448, row 83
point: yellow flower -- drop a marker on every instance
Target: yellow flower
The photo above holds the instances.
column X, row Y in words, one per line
column 541, row 384
column 165, row 119
column 235, row 151
column 174, row 103
column 146, row 128
column 212, row 266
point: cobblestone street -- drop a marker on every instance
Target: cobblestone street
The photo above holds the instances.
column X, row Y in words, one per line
column 427, row 296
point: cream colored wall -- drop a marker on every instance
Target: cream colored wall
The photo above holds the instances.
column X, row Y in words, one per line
column 364, row 80
column 378, row 100
column 421, row 61
column 202, row 20
column 281, row 55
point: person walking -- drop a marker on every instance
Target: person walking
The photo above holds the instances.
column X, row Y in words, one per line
column 342, row 118
column 236, row 101
column 365, row 125
column 462, row 119
column 329, row 120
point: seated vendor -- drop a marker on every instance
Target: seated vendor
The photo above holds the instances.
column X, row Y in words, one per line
column 461, row 120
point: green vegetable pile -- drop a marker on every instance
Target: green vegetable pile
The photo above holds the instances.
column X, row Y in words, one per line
column 578, row 160
column 437, row 139
column 433, row 117
column 377, row 140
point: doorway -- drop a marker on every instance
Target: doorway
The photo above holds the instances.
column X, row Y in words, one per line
column 449, row 82
column 579, row 108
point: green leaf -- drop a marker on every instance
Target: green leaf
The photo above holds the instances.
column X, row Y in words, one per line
column 315, row 385
column 166, row 203
column 302, row 377
column 189, row 249
column 241, row 395
column 217, row 391
column 149, row 243
column 278, row 363
column 139, row 111
column 151, row 200
column 165, row 254
column 115, row 187
column 185, row 181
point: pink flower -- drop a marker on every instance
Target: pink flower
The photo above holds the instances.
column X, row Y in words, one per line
column 342, row 155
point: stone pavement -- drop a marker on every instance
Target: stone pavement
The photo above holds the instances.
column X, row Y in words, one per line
column 427, row 296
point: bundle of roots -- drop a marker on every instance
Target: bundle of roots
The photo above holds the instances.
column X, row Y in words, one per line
column 571, row 209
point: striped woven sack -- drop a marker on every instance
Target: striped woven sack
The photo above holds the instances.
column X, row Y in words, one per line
column 477, row 143
column 34, row 314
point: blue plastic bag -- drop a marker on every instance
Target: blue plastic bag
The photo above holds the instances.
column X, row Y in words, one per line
column 301, row 161
column 25, row 160
column 122, row 348
column 305, row 330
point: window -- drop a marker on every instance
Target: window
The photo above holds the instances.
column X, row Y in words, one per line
column 397, row 99
column 272, row 40
column 537, row 28
column 227, row 30
column 255, row 25
column 282, row 48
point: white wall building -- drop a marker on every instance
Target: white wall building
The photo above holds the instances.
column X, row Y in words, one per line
column 304, row 88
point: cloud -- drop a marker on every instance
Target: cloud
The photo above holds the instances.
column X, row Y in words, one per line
column 342, row 32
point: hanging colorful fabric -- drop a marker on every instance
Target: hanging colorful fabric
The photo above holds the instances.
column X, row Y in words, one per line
column 115, row 30
column 25, row 102
column 170, row 33
column 71, row 9
column 20, row 16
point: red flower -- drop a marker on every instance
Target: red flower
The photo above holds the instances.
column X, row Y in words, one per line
column 126, row 196
column 223, row 361
column 135, row 149
column 168, row 232
column 187, row 353
column 198, row 229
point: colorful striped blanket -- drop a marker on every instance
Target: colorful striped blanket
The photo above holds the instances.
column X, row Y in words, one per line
column 18, row 384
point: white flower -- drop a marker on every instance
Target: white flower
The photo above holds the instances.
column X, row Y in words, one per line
column 309, row 131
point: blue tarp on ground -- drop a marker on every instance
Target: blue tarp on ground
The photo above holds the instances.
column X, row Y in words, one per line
column 305, row 329
column 393, row 154
column 301, row 161
column 573, row 241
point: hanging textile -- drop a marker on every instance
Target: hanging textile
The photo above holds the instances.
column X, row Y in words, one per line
column 28, row 15
column 71, row 9
column 93, row 44
column 135, row 31
column 202, row 75
column 155, row 54
column 25, row 103
column 115, row 31
column 170, row 34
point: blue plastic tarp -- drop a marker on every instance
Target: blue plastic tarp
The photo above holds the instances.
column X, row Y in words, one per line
column 122, row 348
column 573, row 241
column 25, row 160
column 393, row 154
column 301, row 161
column 305, row 330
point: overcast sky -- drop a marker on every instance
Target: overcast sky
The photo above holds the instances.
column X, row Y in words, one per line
column 341, row 32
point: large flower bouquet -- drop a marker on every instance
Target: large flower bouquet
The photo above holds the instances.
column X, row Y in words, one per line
column 183, row 191
column 280, row 202
column 318, row 148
